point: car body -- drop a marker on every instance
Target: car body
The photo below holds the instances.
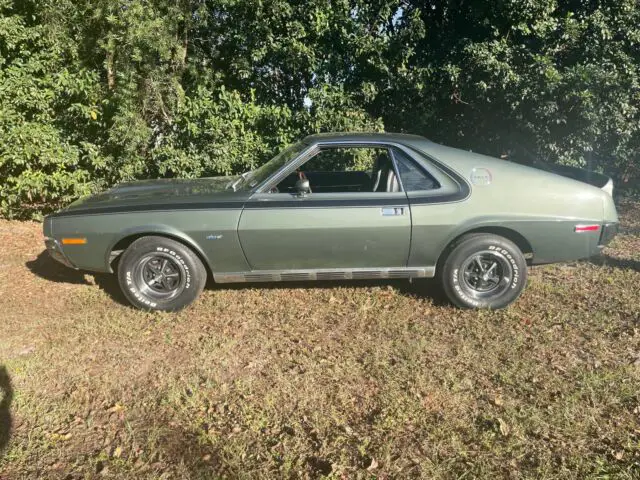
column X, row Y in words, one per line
column 262, row 227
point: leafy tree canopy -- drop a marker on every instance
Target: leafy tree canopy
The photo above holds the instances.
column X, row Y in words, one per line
column 93, row 92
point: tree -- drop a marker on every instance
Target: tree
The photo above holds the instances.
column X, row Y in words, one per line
column 93, row 92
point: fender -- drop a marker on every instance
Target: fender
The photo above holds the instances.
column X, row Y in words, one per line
column 154, row 229
column 505, row 226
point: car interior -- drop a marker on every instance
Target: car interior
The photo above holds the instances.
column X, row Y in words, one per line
column 339, row 170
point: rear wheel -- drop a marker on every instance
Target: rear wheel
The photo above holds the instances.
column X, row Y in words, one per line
column 483, row 271
column 157, row 273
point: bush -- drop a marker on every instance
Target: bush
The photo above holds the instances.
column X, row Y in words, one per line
column 94, row 92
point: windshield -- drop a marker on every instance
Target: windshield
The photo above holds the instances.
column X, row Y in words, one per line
column 259, row 175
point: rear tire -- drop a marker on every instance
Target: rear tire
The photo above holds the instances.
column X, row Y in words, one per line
column 157, row 273
column 483, row 271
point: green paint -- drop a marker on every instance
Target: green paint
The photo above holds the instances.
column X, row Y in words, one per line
column 252, row 230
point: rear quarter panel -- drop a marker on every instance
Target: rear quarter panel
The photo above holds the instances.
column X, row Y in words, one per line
column 543, row 207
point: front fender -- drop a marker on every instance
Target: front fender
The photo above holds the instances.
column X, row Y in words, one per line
column 212, row 234
column 131, row 233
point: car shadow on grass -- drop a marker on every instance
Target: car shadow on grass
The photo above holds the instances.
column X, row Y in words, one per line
column 621, row 263
column 418, row 288
column 46, row 267
column 6, row 397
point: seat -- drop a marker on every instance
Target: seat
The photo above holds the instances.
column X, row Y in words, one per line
column 392, row 182
column 384, row 178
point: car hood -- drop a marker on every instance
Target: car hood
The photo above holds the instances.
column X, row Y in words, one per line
column 169, row 186
column 167, row 192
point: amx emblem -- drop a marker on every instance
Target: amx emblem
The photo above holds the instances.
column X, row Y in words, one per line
column 481, row 176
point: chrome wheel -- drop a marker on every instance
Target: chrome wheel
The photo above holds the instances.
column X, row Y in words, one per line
column 159, row 276
column 486, row 274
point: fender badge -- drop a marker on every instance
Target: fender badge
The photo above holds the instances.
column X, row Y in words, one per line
column 214, row 237
column 481, row 176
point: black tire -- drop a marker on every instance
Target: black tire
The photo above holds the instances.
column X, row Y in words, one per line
column 483, row 271
column 157, row 273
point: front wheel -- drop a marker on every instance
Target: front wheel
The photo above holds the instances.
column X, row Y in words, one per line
column 157, row 273
column 483, row 271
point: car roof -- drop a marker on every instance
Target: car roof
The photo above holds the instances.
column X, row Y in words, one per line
column 338, row 137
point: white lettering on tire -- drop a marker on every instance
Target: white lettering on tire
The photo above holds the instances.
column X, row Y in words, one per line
column 458, row 289
column 181, row 261
column 516, row 271
column 134, row 291
column 144, row 300
column 514, row 281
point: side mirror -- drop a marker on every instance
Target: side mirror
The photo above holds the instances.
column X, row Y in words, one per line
column 302, row 187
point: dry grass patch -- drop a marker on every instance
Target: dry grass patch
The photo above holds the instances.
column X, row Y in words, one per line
column 347, row 380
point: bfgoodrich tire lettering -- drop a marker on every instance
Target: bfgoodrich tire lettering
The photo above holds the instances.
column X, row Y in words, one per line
column 483, row 271
column 157, row 273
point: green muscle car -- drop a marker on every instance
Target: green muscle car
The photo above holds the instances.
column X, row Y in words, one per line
column 341, row 206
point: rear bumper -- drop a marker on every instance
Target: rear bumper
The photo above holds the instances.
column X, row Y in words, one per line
column 55, row 251
column 609, row 231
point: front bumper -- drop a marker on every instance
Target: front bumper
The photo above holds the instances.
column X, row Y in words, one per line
column 609, row 231
column 55, row 250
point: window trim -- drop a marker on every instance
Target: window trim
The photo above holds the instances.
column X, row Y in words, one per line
column 419, row 167
column 313, row 151
column 395, row 168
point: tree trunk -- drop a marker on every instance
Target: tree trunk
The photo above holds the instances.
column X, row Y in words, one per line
column 111, row 74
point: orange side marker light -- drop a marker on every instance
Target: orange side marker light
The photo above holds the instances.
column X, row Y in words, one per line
column 74, row 241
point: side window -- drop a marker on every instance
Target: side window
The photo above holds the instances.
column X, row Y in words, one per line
column 346, row 170
column 413, row 176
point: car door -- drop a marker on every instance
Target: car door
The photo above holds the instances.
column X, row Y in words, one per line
column 355, row 217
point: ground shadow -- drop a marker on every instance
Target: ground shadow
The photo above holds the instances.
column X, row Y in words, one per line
column 6, row 396
column 622, row 263
column 46, row 267
column 108, row 282
column 422, row 287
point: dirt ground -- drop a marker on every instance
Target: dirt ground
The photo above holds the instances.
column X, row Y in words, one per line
column 343, row 380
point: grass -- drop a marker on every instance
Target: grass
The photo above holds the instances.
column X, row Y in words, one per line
column 346, row 380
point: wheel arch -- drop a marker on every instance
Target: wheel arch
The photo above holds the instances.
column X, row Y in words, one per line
column 126, row 238
column 510, row 234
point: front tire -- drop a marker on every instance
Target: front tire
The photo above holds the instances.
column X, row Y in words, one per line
column 157, row 273
column 483, row 271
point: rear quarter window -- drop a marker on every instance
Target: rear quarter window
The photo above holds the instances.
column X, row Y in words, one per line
column 414, row 178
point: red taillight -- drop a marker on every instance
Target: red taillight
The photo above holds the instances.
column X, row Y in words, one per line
column 586, row 228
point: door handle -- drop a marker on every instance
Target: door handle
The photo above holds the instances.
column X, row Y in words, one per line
column 391, row 211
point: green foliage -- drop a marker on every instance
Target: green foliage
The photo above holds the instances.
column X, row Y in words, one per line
column 219, row 133
column 93, row 92
column 41, row 165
